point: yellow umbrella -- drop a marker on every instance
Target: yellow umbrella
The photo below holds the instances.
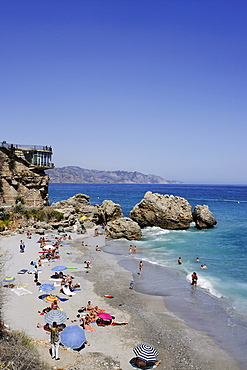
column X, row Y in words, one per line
column 83, row 218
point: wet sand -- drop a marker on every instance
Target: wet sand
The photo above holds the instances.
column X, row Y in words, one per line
column 179, row 346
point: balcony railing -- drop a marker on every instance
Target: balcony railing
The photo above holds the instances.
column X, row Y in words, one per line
column 27, row 147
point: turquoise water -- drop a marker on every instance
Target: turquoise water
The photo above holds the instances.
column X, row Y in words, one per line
column 218, row 306
column 223, row 248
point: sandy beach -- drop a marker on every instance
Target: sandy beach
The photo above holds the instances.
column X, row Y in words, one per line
column 149, row 321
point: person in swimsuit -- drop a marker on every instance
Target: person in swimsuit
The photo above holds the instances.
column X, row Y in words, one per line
column 194, row 278
column 179, row 260
column 140, row 267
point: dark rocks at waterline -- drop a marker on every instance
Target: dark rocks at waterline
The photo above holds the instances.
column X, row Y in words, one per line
column 124, row 228
column 165, row 211
column 203, row 218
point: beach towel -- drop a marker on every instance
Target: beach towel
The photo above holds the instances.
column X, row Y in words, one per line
column 67, row 291
column 23, row 271
column 21, row 291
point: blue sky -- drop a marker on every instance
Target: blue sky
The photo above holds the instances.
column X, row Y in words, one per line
column 151, row 86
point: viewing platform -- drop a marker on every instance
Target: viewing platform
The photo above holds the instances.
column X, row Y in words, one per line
column 37, row 156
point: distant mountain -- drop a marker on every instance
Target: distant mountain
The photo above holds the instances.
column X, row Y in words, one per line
column 75, row 174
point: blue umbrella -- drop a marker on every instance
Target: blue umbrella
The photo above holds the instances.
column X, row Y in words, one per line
column 57, row 316
column 73, row 336
column 59, row 268
column 46, row 287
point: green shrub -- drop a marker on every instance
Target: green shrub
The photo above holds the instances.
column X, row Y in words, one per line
column 17, row 352
column 11, row 165
column 19, row 209
column 19, row 199
column 4, row 215
column 48, row 214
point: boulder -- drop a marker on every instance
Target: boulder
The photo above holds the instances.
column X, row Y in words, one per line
column 110, row 211
column 203, row 218
column 165, row 211
column 78, row 205
column 124, row 227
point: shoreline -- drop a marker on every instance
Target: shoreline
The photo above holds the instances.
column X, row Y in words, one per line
column 180, row 346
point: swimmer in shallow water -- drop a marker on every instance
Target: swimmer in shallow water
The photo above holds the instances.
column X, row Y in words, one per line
column 204, row 266
column 179, row 260
column 197, row 259
column 194, row 278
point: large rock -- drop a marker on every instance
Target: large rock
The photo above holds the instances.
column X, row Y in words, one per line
column 203, row 218
column 110, row 211
column 79, row 206
column 124, row 228
column 165, row 211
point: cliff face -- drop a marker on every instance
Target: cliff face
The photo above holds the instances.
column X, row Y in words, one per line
column 73, row 174
column 19, row 179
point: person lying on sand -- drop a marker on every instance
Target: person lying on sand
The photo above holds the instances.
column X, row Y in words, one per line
column 54, row 305
column 141, row 364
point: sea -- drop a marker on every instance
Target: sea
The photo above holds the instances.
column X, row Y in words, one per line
column 218, row 305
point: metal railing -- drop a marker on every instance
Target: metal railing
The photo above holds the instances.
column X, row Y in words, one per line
column 33, row 147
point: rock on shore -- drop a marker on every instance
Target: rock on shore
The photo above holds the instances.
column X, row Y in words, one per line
column 124, row 228
column 165, row 211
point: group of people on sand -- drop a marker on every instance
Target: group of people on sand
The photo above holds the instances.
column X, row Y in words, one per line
column 67, row 284
column 92, row 315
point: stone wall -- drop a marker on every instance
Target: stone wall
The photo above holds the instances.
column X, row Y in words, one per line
column 19, row 179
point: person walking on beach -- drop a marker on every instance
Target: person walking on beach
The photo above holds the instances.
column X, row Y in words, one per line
column 140, row 267
column 55, row 340
column 36, row 274
column 22, row 246
column 194, row 278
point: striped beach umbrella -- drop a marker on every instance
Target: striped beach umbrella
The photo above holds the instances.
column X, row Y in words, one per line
column 57, row 316
column 145, row 352
column 8, row 279
column 51, row 298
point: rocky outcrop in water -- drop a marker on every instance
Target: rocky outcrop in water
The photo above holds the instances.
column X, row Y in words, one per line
column 165, row 211
column 124, row 228
column 203, row 218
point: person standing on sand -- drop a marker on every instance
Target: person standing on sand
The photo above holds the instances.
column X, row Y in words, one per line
column 36, row 274
column 140, row 267
column 55, row 340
